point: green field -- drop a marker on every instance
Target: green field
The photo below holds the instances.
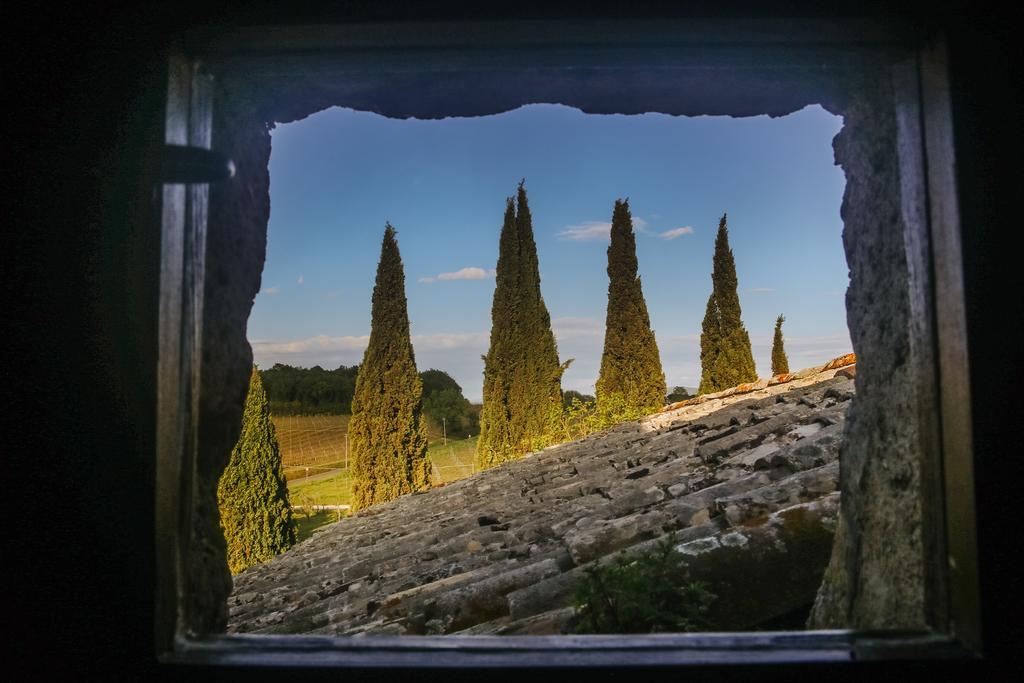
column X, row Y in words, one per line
column 315, row 446
column 307, row 524
column 311, row 444
column 449, row 463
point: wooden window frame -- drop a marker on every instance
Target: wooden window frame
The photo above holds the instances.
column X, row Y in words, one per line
column 923, row 105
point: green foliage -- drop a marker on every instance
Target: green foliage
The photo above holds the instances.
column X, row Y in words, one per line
column 309, row 391
column 581, row 417
column 630, row 365
column 313, row 521
column 335, row 489
column 569, row 396
column 522, row 376
column 644, row 594
column 445, row 405
column 780, row 364
column 437, row 380
column 255, row 513
column 725, row 355
column 451, row 412
column 315, row 391
column 387, row 433
column 678, row 394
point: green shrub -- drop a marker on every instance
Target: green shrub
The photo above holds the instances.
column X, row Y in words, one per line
column 580, row 418
column 252, row 495
column 648, row 593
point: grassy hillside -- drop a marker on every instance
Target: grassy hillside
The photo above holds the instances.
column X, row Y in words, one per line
column 315, row 462
column 316, row 442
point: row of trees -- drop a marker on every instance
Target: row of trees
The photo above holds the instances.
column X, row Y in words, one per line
column 523, row 403
column 309, row 391
column 316, row 391
column 524, row 408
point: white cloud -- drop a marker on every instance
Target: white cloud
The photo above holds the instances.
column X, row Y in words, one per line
column 301, row 279
column 676, row 232
column 469, row 273
column 587, row 232
column 270, row 290
column 320, row 342
column 468, row 340
column 592, row 231
column 577, row 328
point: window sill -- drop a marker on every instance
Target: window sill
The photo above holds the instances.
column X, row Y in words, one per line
column 671, row 649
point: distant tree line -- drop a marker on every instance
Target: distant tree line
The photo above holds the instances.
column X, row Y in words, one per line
column 524, row 406
column 309, row 391
column 446, row 407
column 315, row 391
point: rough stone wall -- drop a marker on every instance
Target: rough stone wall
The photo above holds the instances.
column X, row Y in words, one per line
column 744, row 486
column 236, row 250
column 876, row 575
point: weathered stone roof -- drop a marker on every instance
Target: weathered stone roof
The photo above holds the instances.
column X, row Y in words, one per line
column 747, row 483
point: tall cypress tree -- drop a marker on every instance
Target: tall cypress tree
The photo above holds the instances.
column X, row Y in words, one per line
column 252, row 495
column 522, row 390
column 631, row 377
column 725, row 356
column 780, row 364
column 387, row 432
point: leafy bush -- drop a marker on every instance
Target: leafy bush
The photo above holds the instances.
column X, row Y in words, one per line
column 571, row 394
column 678, row 394
column 252, row 496
column 581, row 418
column 450, row 408
column 649, row 593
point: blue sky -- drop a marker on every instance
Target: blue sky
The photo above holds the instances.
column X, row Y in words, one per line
column 337, row 176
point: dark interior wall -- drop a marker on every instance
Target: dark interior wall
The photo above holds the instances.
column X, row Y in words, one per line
column 82, row 283
column 985, row 62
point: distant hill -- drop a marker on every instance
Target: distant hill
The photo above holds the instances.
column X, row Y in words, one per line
column 315, row 391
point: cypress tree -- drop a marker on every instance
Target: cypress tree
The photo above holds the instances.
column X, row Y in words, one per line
column 631, row 378
column 522, row 389
column 725, row 355
column 780, row 364
column 252, row 495
column 387, row 432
